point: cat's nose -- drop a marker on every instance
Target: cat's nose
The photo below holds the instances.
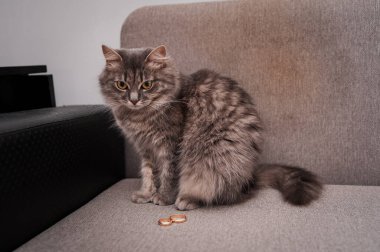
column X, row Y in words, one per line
column 134, row 97
column 134, row 101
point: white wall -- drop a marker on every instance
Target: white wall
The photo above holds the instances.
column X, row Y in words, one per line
column 66, row 36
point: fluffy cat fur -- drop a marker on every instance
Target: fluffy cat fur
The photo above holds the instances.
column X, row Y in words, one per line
column 198, row 136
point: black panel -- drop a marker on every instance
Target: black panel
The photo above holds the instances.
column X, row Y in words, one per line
column 22, row 70
column 23, row 92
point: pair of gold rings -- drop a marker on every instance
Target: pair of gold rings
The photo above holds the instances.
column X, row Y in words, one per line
column 175, row 218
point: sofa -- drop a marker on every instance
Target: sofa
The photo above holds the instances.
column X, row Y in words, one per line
column 312, row 68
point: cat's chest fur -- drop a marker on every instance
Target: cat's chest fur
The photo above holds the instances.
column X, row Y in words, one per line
column 152, row 130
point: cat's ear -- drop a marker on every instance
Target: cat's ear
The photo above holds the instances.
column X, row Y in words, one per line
column 157, row 58
column 113, row 59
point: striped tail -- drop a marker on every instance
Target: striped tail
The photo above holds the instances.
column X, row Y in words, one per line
column 297, row 186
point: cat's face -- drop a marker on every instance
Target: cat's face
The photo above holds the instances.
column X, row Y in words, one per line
column 138, row 78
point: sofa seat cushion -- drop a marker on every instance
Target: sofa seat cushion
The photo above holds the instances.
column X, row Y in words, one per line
column 346, row 218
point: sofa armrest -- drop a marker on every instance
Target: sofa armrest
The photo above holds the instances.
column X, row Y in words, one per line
column 52, row 161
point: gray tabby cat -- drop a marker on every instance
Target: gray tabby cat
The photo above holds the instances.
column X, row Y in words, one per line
column 198, row 136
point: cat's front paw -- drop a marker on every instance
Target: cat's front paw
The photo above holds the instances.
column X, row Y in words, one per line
column 185, row 204
column 141, row 197
column 163, row 199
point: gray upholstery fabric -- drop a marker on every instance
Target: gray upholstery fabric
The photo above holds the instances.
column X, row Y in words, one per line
column 346, row 218
column 311, row 66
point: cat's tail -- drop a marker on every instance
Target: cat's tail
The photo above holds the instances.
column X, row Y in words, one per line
column 297, row 186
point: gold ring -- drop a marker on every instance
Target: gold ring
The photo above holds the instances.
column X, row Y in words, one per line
column 178, row 218
column 165, row 222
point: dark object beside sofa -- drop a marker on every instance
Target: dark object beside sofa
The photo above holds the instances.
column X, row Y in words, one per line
column 52, row 161
column 312, row 68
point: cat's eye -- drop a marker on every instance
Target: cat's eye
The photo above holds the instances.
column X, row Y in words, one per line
column 146, row 85
column 121, row 85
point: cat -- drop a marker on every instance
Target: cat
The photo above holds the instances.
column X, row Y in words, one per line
column 198, row 135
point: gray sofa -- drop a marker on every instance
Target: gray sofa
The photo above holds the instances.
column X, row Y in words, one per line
column 312, row 68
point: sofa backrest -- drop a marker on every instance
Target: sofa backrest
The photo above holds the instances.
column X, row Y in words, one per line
column 311, row 66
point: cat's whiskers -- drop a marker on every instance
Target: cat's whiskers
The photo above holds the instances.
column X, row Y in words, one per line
column 158, row 110
column 169, row 102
